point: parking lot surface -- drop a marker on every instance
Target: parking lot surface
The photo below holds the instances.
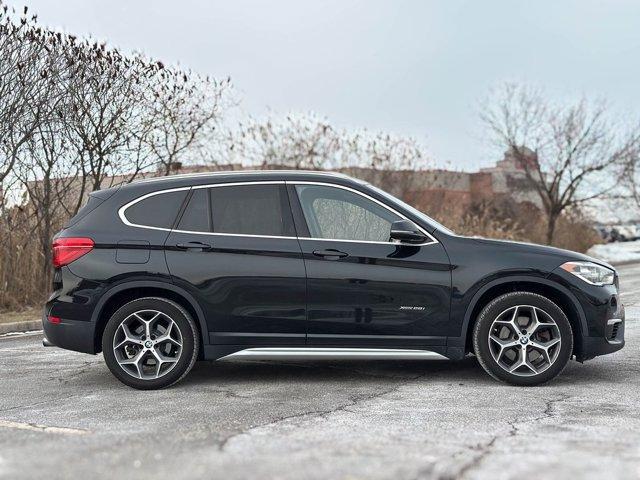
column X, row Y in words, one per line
column 63, row 415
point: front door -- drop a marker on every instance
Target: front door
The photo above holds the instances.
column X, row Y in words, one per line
column 363, row 289
column 236, row 251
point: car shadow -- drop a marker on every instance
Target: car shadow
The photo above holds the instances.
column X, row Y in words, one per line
column 462, row 372
column 290, row 373
column 319, row 371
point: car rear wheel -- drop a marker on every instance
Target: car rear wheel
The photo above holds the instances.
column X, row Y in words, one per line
column 150, row 343
column 523, row 338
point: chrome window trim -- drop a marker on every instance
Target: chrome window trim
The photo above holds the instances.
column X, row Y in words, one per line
column 248, row 235
column 123, row 217
column 122, row 210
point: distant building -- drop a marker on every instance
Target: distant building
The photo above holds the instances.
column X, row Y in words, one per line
column 426, row 189
column 430, row 188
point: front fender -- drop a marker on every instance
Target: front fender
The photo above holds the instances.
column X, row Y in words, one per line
column 461, row 341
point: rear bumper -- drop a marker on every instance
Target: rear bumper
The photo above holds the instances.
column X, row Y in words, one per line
column 70, row 334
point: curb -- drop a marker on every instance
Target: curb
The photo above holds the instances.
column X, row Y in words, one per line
column 17, row 327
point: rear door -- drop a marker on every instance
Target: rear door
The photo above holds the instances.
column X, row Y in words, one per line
column 362, row 288
column 235, row 250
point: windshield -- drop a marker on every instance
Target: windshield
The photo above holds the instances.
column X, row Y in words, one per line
column 413, row 210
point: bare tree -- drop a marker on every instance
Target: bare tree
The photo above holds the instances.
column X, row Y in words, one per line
column 47, row 178
column 74, row 116
column 183, row 112
column 294, row 141
column 384, row 160
column 309, row 142
column 571, row 154
column 26, row 81
column 103, row 106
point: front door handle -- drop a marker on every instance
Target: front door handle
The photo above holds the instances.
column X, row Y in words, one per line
column 330, row 254
column 194, row 246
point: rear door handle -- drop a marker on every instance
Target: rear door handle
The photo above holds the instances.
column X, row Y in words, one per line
column 330, row 254
column 194, row 246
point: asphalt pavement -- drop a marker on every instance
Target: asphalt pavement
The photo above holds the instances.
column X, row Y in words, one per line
column 63, row 415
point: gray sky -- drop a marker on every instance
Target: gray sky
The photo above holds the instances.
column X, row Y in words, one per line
column 409, row 67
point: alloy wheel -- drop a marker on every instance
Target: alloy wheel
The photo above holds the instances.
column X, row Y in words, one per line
column 147, row 344
column 524, row 340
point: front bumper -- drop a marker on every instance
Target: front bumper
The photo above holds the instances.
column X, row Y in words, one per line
column 612, row 342
column 606, row 332
column 601, row 316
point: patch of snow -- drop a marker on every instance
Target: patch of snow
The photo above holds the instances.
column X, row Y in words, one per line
column 617, row 252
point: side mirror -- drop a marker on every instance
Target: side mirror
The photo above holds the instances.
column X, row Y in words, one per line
column 407, row 231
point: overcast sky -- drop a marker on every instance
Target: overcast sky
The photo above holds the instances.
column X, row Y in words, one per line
column 410, row 67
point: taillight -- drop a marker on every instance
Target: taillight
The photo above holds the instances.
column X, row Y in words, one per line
column 67, row 250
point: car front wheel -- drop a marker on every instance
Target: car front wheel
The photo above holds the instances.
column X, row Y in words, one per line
column 523, row 338
column 150, row 343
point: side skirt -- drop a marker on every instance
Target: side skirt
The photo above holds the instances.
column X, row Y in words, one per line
column 315, row 353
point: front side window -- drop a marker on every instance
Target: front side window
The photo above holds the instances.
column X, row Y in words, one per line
column 335, row 213
column 158, row 211
column 260, row 209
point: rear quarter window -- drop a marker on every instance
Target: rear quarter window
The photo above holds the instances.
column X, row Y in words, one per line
column 159, row 210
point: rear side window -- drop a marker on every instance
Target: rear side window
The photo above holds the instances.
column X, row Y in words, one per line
column 251, row 210
column 196, row 217
column 158, row 211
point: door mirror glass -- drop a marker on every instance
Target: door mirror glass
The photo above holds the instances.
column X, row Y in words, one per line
column 407, row 231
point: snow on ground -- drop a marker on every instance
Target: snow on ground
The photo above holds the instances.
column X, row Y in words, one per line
column 617, row 252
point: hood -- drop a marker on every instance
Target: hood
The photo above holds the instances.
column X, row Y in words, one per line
column 568, row 255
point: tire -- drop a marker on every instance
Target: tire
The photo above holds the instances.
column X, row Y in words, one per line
column 501, row 351
column 157, row 360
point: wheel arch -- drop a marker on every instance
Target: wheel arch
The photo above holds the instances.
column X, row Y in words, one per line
column 555, row 292
column 122, row 293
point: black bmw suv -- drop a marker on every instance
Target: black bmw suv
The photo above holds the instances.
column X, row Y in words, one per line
column 160, row 273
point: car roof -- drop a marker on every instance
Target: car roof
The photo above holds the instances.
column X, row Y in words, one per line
column 203, row 178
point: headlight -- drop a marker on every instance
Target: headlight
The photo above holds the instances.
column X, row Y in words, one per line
column 590, row 272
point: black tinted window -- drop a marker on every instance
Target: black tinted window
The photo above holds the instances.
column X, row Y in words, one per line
column 251, row 210
column 196, row 216
column 158, row 210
